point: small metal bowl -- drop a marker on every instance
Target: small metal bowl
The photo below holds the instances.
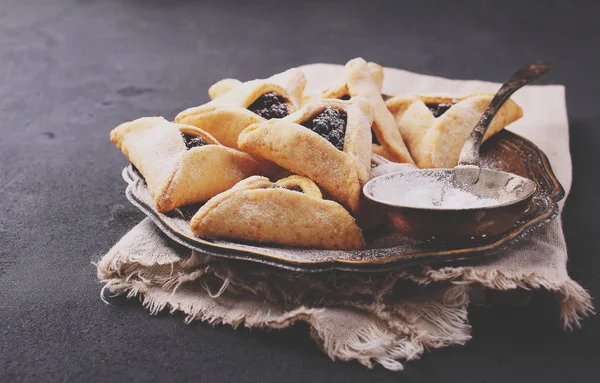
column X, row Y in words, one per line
column 457, row 223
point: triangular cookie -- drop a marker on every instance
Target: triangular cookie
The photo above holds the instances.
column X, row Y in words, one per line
column 180, row 163
column 289, row 212
column 435, row 128
column 328, row 141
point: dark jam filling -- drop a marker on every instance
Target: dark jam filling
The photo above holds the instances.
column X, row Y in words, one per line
column 295, row 188
column 192, row 141
column 331, row 125
column 439, row 109
column 269, row 105
column 374, row 138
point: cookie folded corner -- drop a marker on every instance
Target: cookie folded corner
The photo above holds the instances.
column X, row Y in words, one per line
column 365, row 79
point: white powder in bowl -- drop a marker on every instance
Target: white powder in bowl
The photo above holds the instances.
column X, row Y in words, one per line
column 424, row 191
column 430, row 196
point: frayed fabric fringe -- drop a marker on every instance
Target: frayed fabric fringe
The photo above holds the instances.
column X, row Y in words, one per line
column 384, row 320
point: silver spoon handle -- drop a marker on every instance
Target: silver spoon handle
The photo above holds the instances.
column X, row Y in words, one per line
column 470, row 151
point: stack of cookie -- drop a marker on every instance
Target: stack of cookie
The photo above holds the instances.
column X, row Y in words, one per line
column 315, row 147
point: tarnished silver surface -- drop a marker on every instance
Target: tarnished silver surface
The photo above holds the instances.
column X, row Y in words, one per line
column 386, row 248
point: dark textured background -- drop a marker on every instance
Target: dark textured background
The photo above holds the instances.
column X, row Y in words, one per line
column 72, row 70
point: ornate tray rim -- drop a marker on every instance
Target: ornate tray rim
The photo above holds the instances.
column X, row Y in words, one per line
column 395, row 261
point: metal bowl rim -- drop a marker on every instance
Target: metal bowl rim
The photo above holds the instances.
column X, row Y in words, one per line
column 369, row 196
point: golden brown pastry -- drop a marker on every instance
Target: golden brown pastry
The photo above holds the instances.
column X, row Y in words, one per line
column 327, row 141
column 181, row 164
column 289, row 212
column 365, row 79
column 237, row 105
column 435, row 128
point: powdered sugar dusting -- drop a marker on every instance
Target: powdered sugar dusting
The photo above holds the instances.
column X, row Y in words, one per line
column 432, row 194
column 443, row 189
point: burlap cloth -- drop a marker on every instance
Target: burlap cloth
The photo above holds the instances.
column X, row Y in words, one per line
column 372, row 318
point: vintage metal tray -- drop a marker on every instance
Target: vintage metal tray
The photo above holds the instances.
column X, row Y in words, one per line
column 386, row 249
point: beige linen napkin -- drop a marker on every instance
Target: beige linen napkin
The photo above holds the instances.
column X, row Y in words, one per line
column 381, row 318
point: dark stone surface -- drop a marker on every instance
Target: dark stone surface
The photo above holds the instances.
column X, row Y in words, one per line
column 72, row 70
